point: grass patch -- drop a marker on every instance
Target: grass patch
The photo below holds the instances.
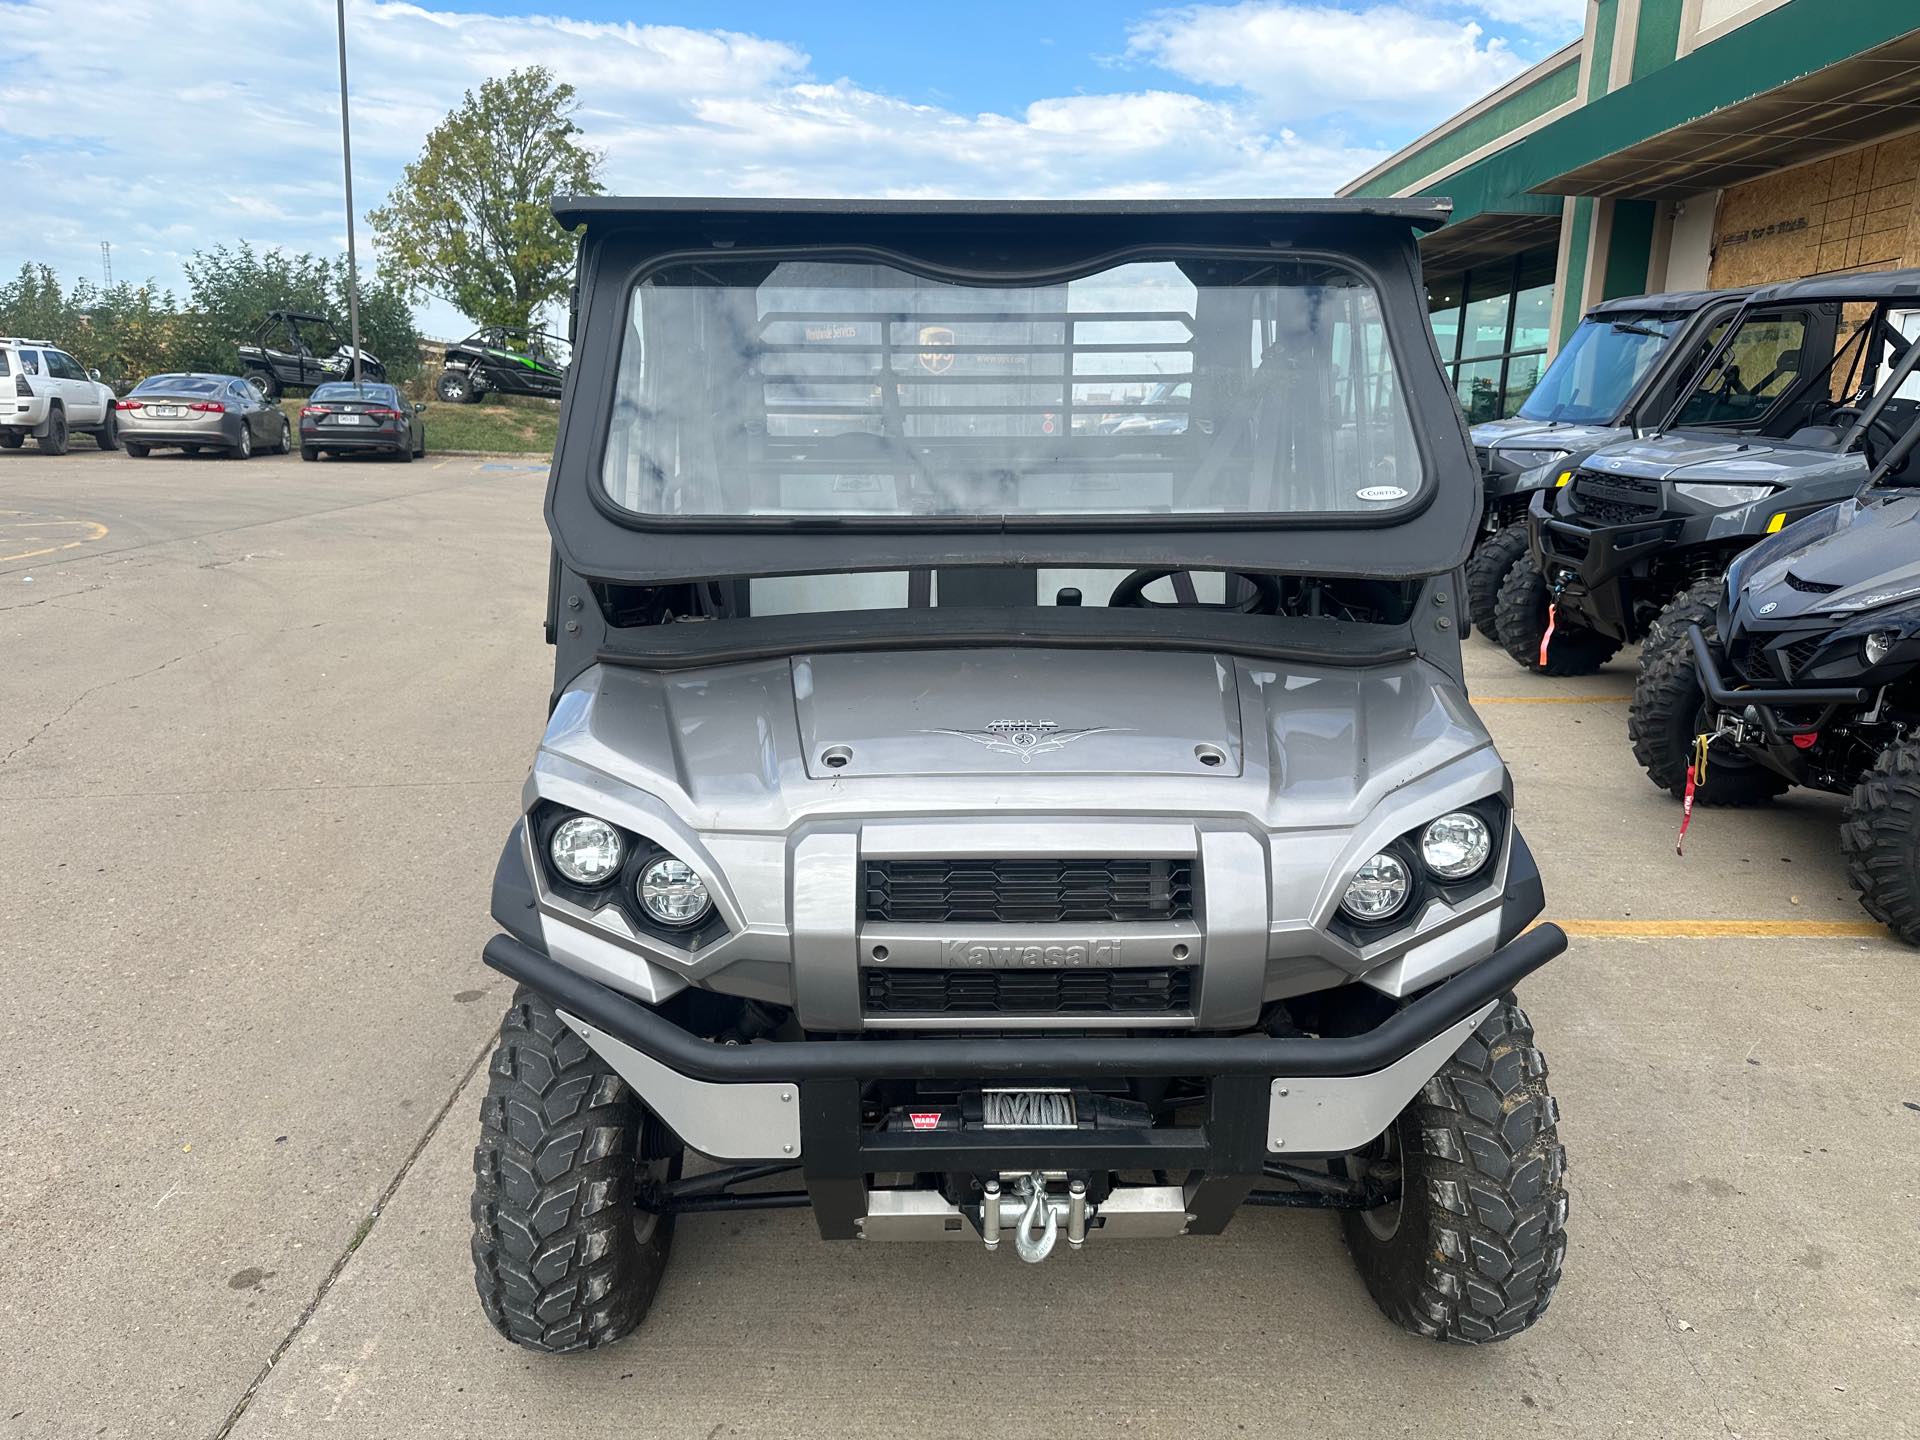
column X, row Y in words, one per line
column 499, row 424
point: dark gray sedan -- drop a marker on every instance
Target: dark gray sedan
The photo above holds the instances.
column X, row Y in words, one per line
column 218, row 413
column 371, row 417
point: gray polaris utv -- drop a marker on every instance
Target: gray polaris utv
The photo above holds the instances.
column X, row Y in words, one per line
column 1800, row 399
column 974, row 826
column 1622, row 368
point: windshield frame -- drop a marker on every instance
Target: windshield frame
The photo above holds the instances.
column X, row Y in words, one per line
column 924, row 268
column 987, row 242
column 1682, row 323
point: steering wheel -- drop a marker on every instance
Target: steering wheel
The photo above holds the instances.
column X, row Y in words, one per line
column 1130, row 594
column 1881, row 436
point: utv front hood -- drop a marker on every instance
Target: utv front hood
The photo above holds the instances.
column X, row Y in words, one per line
column 1851, row 558
column 1702, row 459
column 766, row 746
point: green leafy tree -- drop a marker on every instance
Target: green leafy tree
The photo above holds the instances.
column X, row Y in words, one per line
column 231, row 288
column 124, row 331
column 470, row 220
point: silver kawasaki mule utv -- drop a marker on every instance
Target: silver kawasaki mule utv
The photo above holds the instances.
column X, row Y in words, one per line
column 980, row 820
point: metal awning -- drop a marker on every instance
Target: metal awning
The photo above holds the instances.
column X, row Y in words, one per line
column 1809, row 79
column 1486, row 238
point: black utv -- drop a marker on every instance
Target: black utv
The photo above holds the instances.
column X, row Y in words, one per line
column 1798, row 401
column 503, row 362
column 1808, row 673
column 290, row 350
column 1620, row 370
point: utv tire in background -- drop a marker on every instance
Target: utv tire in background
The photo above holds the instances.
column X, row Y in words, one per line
column 1472, row 1250
column 1486, row 568
column 562, row 1257
column 1520, row 620
column 1698, row 604
column 454, row 387
column 1667, row 715
column 267, row 383
column 54, row 442
column 1880, row 837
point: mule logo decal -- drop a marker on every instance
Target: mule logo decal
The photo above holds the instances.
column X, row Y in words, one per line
column 1028, row 738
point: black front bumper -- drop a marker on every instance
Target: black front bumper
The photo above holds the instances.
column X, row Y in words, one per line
column 1590, row 568
column 1223, row 1156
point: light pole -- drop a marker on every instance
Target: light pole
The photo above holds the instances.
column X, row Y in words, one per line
column 346, row 158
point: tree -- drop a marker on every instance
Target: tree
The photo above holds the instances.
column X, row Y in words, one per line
column 470, row 221
column 230, row 289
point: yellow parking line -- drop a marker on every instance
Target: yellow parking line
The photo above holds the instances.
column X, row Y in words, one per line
column 1550, row 699
column 99, row 532
column 1724, row 929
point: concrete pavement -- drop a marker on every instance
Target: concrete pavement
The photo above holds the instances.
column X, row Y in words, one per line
column 262, row 736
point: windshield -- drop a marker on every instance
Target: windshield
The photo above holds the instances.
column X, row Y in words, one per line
column 347, row 390
column 824, row 388
column 180, row 384
column 1599, row 367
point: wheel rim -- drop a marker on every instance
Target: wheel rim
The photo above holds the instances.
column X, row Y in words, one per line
column 246, row 441
column 1383, row 1221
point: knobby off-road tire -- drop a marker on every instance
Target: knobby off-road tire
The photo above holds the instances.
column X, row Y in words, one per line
column 1473, row 1249
column 1520, row 620
column 1486, row 568
column 1880, row 837
column 1698, row 604
column 454, row 388
column 1667, row 715
column 561, row 1257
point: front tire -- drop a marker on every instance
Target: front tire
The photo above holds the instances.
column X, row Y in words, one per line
column 107, row 437
column 1520, row 623
column 11, row 439
column 1486, row 568
column 454, row 387
column 136, row 450
column 1880, row 838
column 243, row 447
column 1667, row 716
column 562, row 1256
column 1698, row 604
column 285, row 443
column 1472, row 1250
column 307, row 452
column 265, row 384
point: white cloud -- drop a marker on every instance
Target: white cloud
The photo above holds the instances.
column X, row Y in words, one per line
column 1304, row 62
column 1555, row 20
column 165, row 141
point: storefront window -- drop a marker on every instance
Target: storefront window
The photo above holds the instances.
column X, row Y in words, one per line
column 1491, row 324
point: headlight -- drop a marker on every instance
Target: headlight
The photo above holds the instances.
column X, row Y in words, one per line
column 1533, row 459
column 672, row 894
column 1722, row 497
column 1378, row 888
column 1456, row 845
column 1877, row 646
column 585, row 850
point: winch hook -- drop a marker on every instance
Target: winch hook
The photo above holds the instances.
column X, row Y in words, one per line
column 1030, row 1249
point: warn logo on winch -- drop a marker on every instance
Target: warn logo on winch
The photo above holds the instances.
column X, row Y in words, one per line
column 982, row 955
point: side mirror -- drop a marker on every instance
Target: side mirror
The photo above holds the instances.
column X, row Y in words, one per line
column 419, row 408
column 93, row 375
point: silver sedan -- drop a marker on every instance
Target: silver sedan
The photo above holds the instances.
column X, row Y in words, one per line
column 195, row 413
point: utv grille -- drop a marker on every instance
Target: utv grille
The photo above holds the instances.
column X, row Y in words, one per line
column 1615, row 499
column 1800, row 652
column 1027, row 892
column 1166, row 991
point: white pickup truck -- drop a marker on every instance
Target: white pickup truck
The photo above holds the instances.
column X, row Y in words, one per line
column 45, row 393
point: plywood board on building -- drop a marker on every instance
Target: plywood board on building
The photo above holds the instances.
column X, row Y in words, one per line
column 1856, row 211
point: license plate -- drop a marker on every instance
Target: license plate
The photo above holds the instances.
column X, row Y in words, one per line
column 349, row 419
column 166, row 412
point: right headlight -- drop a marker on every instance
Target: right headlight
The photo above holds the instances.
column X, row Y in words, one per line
column 585, row 850
column 672, row 893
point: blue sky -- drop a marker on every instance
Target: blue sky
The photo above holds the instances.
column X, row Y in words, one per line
column 163, row 143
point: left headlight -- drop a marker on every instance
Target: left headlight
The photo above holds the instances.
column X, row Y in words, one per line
column 671, row 893
column 1456, row 845
column 1722, row 497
